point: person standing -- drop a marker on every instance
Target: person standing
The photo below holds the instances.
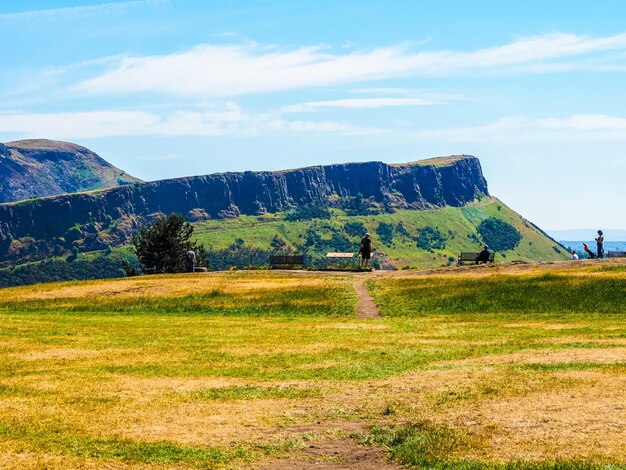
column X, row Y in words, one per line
column 574, row 255
column 190, row 261
column 600, row 244
column 366, row 250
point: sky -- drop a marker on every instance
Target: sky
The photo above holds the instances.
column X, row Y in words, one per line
column 170, row 88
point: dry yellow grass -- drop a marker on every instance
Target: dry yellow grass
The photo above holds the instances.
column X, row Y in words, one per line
column 111, row 389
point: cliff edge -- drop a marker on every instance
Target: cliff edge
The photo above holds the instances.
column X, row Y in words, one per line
column 452, row 181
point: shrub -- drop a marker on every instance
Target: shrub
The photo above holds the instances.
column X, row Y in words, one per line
column 385, row 233
column 308, row 212
column 97, row 267
column 402, row 231
column 237, row 255
column 355, row 229
column 429, row 239
column 337, row 242
column 73, row 234
column 499, row 235
column 279, row 244
column 357, row 205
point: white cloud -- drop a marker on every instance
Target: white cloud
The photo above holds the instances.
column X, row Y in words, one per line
column 52, row 14
column 382, row 91
column 230, row 120
column 77, row 125
column 582, row 126
column 230, row 70
column 585, row 122
column 358, row 103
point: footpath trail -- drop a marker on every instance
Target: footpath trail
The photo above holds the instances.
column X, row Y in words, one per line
column 339, row 454
column 365, row 306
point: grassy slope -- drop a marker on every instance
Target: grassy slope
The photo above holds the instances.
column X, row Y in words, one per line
column 462, row 222
column 202, row 370
column 258, row 232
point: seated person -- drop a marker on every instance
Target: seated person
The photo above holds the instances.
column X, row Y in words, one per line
column 483, row 256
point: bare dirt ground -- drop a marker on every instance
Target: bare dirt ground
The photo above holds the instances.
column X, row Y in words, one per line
column 365, row 307
column 340, row 454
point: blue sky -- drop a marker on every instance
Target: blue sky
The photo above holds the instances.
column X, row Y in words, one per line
column 167, row 88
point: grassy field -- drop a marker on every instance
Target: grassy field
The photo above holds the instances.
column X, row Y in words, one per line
column 517, row 367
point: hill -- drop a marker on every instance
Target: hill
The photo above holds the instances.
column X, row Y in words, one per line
column 37, row 168
column 404, row 238
column 421, row 214
column 502, row 367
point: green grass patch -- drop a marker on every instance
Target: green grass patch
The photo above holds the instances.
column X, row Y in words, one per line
column 426, row 445
column 251, row 392
column 421, row 444
column 122, row 450
column 496, row 294
column 567, row 366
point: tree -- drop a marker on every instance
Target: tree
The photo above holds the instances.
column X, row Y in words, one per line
column 163, row 245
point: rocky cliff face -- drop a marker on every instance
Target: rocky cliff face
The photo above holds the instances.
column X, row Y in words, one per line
column 36, row 168
column 451, row 181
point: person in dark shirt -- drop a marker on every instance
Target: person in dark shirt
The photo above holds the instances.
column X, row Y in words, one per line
column 483, row 256
column 366, row 250
column 600, row 243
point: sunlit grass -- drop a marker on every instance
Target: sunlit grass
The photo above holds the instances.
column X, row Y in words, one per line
column 543, row 293
column 219, row 370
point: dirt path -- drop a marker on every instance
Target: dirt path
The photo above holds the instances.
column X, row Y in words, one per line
column 339, row 454
column 365, row 306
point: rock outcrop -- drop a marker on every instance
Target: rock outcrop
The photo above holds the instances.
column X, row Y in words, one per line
column 452, row 181
column 37, row 168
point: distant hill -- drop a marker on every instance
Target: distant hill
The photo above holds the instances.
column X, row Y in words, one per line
column 588, row 234
column 37, row 168
column 420, row 214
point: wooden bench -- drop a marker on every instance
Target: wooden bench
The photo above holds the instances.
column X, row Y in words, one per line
column 467, row 257
column 617, row 254
column 341, row 261
column 286, row 261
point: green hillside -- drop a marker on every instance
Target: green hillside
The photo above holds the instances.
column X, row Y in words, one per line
column 404, row 239
column 441, row 234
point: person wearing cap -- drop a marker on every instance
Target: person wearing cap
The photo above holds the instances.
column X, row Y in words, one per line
column 483, row 256
column 366, row 250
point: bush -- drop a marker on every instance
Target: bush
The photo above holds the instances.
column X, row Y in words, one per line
column 238, row 256
column 357, row 205
column 402, row 231
column 499, row 235
column 429, row 239
column 355, row 229
column 385, row 233
column 73, row 234
column 52, row 270
column 308, row 212
column 278, row 244
column 323, row 244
